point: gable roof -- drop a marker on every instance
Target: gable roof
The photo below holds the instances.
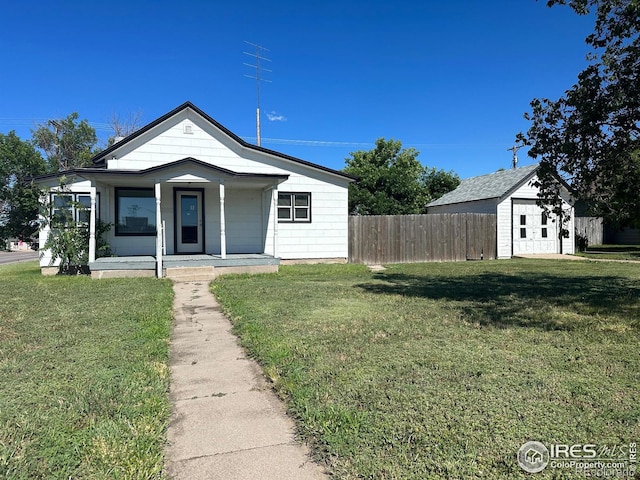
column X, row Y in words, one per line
column 100, row 158
column 493, row 185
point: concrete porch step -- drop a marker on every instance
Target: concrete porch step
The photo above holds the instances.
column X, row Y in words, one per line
column 190, row 274
column 208, row 273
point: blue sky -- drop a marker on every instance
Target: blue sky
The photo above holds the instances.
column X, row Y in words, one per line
column 449, row 78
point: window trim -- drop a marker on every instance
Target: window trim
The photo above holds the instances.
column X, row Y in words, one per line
column 292, row 208
column 74, row 200
column 117, row 233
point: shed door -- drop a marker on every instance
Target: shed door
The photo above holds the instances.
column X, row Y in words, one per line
column 533, row 231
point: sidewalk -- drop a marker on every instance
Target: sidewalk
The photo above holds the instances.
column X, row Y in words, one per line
column 226, row 422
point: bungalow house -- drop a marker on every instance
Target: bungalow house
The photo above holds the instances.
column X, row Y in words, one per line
column 185, row 192
column 522, row 226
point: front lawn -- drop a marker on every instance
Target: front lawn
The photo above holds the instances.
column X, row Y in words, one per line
column 445, row 370
column 84, row 375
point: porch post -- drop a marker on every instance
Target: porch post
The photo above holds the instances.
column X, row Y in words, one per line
column 159, row 233
column 275, row 221
column 223, row 226
column 92, row 224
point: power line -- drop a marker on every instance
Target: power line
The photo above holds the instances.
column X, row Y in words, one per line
column 328, row 143
column 102, row 126
column 32, row 122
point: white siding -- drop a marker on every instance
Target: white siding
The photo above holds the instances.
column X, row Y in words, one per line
column 479, row 206
column 327, row 234
column 503, row 224
column 243, row 215
column 168, row 143
column 569, row 243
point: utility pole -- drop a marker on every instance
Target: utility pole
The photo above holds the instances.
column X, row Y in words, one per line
column 258, row 56
column 515, row 149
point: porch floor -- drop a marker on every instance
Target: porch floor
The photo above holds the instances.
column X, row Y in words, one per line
column 148, row 262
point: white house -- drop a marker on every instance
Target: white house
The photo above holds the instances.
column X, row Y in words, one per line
column 523, row 227
column 184, row 191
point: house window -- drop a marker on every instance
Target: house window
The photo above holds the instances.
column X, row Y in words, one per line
column 544, row 219
column 72, row 207
column 544, row 232
column 523, row 233
column 135, row 211
column 294, row 207
column 523, row 219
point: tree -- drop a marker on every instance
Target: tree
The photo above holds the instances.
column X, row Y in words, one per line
column 438, row 182
column 19, row 197
column 66, row 142
column 68, row 238
column 590, row 137
column 391, row 181
column 123, row 127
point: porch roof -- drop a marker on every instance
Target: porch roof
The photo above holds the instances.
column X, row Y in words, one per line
column 185, row 170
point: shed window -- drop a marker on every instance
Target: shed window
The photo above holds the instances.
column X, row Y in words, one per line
column 135, row 211
column 544, row 219
column 523, row 233
column 523, row 219
column 294, row 207
column 544, row 232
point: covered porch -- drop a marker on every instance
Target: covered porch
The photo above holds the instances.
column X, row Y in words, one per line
column 166, row 221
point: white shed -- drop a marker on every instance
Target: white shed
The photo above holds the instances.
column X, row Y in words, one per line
column 523, row 227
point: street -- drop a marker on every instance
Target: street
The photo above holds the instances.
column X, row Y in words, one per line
column 14, row 257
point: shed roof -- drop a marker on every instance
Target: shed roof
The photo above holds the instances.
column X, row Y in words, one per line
column 493, row 185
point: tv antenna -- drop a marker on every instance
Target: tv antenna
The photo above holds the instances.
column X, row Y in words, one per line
column 258, row 56
column 515, row 149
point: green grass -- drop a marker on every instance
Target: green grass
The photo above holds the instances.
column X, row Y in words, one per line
column 84, row 376
column 612, row 252
column 445, row 370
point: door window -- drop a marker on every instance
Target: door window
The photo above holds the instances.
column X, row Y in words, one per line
column 189, row 217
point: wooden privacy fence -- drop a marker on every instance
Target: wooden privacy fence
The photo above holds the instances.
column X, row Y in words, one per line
column 422, row 238
column 590, row 228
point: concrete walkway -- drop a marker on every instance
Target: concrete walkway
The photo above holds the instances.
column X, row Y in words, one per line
column 226, row 422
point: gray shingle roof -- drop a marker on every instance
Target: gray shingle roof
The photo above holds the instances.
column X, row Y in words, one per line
column 493, row 185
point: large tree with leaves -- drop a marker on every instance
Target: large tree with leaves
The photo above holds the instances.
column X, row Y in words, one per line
column 19, row 198
column 391, row 181
column 67, row 142
column 591, row 136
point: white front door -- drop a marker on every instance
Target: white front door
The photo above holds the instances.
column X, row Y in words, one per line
column 533, row 231
column 189, row 224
